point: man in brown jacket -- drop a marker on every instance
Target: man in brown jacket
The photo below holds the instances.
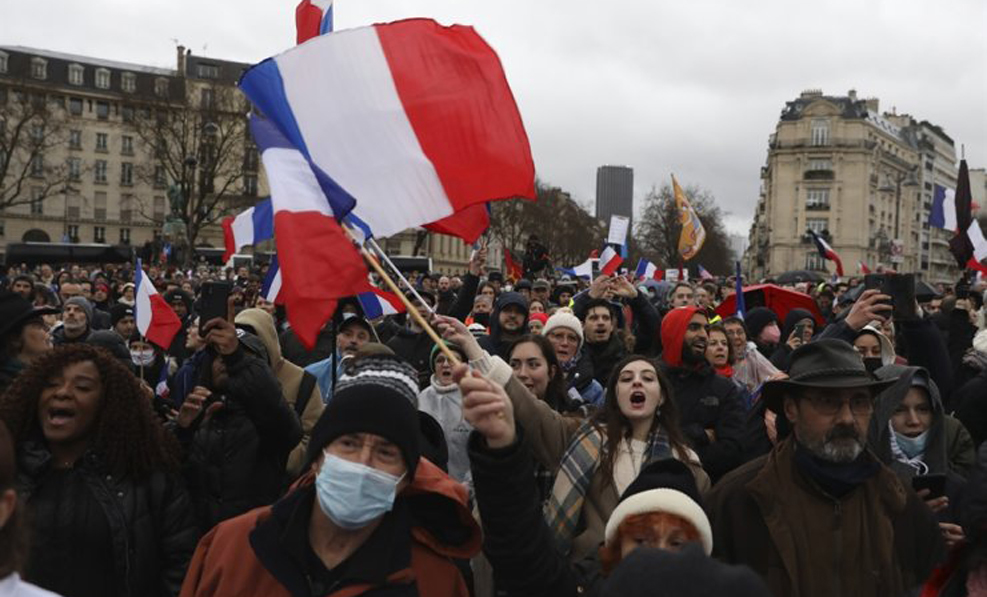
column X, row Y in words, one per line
column 819, row 515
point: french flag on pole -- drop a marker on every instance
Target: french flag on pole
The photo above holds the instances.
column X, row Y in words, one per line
column 317, row 262
column 583, row 270
column 943, row 212
column 272, row 282
column 703, row 274
column 646, row 270
column 610, row 260
column 312, row 18
column 249, row 227
column 827, row 251
column 378, row 303
column 414, row 119
column 156, row 321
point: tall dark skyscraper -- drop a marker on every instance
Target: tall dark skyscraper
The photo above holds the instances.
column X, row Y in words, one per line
column 614, row 192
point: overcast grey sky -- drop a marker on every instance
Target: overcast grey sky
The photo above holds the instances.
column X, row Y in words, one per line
column 692, row 88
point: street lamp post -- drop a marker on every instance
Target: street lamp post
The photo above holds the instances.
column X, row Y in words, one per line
column 893, row 181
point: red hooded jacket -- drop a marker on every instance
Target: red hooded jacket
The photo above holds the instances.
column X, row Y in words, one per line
column 673, row 328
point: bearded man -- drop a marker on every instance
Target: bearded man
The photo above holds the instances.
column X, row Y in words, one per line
column 820, row 515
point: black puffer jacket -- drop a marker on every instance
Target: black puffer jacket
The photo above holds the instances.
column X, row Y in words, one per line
column 151, row 523
column 236, row 461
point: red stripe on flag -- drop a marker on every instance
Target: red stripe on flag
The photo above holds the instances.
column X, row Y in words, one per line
column 164, row 321
column 229, row 241
column 457, row 99
column 308, row 21
column 468, row 224
column 318, row 265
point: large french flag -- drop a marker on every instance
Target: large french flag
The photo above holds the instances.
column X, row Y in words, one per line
column 378, row 303
column 249, row 227
column 827, row 251
column 156, row 320
column 610, row 260
column 317, row 262
column 414, row 120
column 312, row 18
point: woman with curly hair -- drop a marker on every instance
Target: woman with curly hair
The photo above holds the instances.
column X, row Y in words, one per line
column 99, row 474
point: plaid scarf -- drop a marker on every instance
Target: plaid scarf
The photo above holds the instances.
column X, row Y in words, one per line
column 565, row 505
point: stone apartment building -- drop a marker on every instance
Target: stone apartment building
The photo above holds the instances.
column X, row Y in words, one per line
column 862, row 179
column 96, row 167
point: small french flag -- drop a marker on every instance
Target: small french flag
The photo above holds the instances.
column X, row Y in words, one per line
column 610, row 260
column 703, row 274
column 272, row 282
column 827, row 252
column 312, row 18
column 646, row 270
column 863, row 267
column 156, row 320
column 248, row 228
column 378, row 303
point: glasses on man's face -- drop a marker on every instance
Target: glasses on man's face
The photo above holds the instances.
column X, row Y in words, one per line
column 831, row 404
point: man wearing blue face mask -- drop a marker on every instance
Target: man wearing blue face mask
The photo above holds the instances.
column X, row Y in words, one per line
column 371, row 517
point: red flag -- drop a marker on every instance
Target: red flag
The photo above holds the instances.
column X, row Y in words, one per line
column 312, row 19
column 468, row 224
column 514, row 271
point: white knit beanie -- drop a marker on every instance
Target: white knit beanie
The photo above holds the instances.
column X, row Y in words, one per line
column 668, row 501
column 564, row 319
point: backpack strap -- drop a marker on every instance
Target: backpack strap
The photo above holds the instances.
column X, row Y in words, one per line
column 304, row 393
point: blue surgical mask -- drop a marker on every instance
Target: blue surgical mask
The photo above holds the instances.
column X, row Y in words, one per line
column 353, row 495
column 913, row 447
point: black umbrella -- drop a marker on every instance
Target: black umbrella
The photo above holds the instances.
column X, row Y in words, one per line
column 799, row 275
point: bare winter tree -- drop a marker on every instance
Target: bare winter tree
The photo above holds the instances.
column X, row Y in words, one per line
column 31, row 128
column 567, row 230
column 202, row 149
column 657, row 231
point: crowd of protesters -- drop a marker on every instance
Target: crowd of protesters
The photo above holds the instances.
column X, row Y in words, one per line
column 566, row 437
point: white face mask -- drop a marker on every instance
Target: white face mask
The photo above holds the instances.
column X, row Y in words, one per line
column 142, row 357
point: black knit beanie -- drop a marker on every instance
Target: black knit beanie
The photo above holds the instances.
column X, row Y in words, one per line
column 375, row 394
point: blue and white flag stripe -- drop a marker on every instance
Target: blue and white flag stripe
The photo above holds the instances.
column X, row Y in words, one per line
column 272, row 281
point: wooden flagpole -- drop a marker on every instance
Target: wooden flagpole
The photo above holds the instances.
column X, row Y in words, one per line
column 412, row 310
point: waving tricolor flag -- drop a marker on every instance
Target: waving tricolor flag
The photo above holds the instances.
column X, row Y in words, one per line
column 378, row 303
column 646, row 270
column 583, row 270
column 272, row 282
column 862, row 267
column 316, row 260
column 703, row 274
column 610, row 260
column 827, row 252
column 312, row 18
column 425, row 127
column 156, row 320
column 249, row 227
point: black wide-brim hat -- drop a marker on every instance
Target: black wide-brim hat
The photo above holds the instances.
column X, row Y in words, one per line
column 829, row 364
column 15, row 310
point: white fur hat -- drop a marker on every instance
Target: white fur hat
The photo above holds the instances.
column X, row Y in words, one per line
column 564, row 319
column 668, row 501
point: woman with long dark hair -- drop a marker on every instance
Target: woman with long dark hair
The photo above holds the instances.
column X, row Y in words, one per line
column 537, row 367
column 598, row 458
column 99, row 473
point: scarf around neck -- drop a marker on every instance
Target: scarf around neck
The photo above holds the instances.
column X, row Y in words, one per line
column 579, row 464
column 835, row 478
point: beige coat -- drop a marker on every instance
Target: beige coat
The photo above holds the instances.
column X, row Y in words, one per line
column 290, row 377
column 549, row 433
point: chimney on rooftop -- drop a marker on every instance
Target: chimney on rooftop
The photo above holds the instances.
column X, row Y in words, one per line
column 181, row 60
column 852, row 94
column 872, row 103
